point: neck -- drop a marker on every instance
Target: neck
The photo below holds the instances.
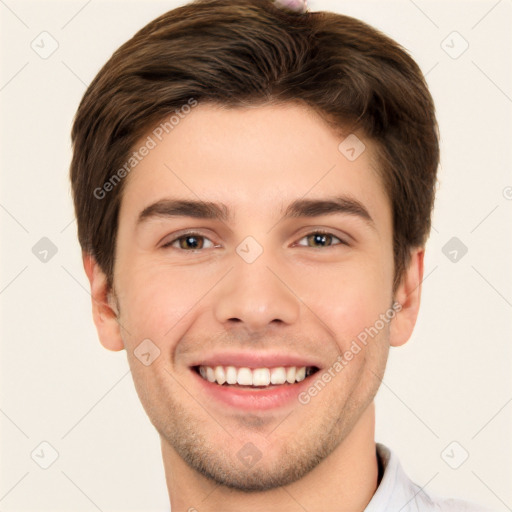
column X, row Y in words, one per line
column 348, row 478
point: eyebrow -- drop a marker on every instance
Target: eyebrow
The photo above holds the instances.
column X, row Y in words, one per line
column 219, row 211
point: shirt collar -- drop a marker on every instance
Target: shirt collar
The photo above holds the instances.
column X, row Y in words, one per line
column 395, row 490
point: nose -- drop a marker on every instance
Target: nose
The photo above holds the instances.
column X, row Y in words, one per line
column 255, row 296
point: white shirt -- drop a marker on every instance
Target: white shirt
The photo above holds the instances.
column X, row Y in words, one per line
column 397, row 493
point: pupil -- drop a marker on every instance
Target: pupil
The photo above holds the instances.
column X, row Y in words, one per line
column 320, row 238
column 192, row 242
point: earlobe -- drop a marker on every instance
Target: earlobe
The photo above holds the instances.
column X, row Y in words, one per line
column 408, row 295
column 104, row 313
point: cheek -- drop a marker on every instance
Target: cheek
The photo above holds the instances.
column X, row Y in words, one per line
column 156, row 301
column 347, row 298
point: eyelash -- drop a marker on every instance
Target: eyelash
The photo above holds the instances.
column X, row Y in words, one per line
column 198, row 235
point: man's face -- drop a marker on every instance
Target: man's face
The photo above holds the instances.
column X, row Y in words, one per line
column 256, row 289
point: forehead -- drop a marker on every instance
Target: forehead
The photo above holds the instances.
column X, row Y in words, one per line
column 255, row 160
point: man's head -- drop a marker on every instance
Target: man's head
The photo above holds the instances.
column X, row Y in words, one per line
column 212, row 153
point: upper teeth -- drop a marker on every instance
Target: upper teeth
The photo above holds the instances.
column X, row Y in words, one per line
column 253, row 376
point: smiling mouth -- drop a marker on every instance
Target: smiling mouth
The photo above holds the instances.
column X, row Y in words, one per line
column 244, row 377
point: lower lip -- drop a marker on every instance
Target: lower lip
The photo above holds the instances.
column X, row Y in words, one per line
column 252, row 398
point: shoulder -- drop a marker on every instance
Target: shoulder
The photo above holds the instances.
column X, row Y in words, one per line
column 397, row 491
column 439, row 504
column 426, row 501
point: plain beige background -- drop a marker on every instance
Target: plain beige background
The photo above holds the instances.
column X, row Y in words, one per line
column 447, row 394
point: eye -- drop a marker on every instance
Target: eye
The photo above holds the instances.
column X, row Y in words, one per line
column 190, row 242
column 324, row 239
column 195, row 241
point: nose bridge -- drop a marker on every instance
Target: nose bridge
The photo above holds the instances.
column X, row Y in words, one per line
column 254, row 293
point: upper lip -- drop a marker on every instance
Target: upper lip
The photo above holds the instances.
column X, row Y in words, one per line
column 256, row 360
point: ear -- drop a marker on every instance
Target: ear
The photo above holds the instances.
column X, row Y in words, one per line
column 408, row 295
column 104, row 311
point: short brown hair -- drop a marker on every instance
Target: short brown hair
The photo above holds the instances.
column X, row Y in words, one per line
column 250, row 52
